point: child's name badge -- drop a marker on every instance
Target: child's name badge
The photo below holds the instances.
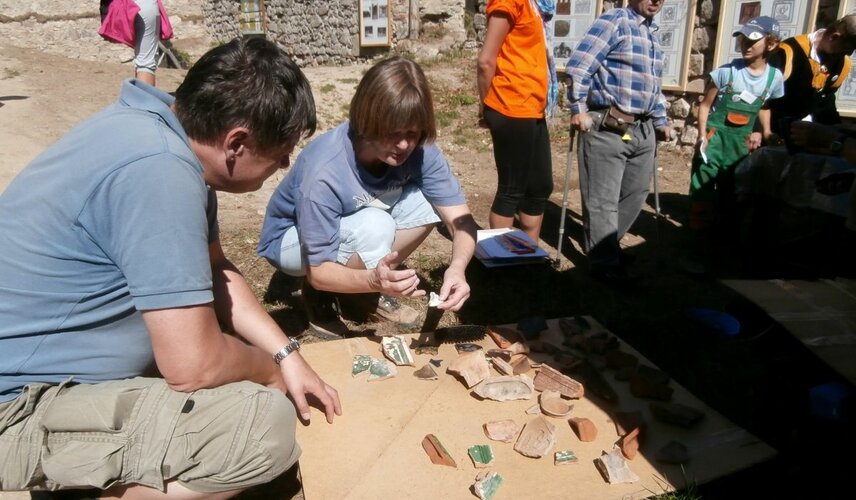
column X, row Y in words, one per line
column 747, row 97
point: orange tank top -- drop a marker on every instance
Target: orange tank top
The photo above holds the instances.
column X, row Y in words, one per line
column 519, row 86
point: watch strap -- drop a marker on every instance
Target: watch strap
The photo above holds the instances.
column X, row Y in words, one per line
column 292, row 346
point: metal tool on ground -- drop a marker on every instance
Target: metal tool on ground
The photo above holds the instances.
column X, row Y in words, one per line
column 657, row 214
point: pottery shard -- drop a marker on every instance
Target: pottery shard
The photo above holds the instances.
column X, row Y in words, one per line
column 502, row 430
column 618, row 359
column 652, row 374
column 549, row 378
column 673, row 452
column 471, row 366
column 584, row 429
column 629, row 443
column 437, row 452
column 505, row 388
column 426, row 373
column 503, row 336
column 522, row 365
column 614, row 468
column 642, row 387
column 481, row 455
column 395, row 348
column 486, row 485
column 537, row 438
column 502, row 366
column 676, row 414
column 574, row 325
column 552, row 404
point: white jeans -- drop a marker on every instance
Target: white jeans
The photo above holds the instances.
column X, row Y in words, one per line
column 146, row 36
column 369, row 232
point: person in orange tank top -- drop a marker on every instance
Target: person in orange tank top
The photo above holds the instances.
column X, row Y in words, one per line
column 517, row 88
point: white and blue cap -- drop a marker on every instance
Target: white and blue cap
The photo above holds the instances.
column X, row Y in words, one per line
column 759, row 27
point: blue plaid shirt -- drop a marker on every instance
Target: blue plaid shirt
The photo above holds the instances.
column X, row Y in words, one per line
column 618, row 62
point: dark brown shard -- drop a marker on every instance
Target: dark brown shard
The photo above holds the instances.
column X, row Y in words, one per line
column 618, row 359
column 503, row 336
column 652, row 374
column 503, row 354
column 625, row 374
column 426, row 373
column 676, row 414
column 629, row 443
column 595, row 382
column 467, row 347
column 584, row 428
column 437, row 452
column 673, row 452
column 642, row 387
column 601, row 343
column 548, row 378
column 574, row 325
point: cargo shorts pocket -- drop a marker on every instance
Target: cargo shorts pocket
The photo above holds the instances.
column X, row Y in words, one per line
column 87, row 430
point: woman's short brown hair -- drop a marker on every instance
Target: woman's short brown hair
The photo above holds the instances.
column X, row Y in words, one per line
column 394, row 95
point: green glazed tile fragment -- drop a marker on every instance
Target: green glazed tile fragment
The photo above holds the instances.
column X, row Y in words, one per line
column 481, row 454
column 487, row 485
column 361, row 364
column 564, row 457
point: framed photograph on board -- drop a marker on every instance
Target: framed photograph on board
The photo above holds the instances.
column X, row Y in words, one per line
column 794, row 16
column 675, row 22
column 570, row 23
column 845, row 98
column 375, row 24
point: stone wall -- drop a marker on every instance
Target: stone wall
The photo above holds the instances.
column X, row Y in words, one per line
column 327, row 32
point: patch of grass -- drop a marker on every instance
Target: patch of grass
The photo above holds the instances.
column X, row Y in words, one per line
column 327, row 88
column 348, row 80
column 10, row 73
column 463, row 100
column 446, row 117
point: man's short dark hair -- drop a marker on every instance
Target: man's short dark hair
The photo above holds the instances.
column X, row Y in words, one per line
column 246, row 83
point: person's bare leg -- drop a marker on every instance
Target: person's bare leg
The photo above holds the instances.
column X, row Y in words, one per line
column 497, row 221
column 145, row 76
column 531, row 225
column 174, row 490
column 408, row 240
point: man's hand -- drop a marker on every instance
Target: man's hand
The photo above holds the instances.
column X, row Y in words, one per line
column 300, row 379
column 582, row 122
column 753, row 141
column 455, row 290
column 399, row 283
column 665, row 133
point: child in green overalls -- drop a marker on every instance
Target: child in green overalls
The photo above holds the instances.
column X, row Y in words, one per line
column 734, row 97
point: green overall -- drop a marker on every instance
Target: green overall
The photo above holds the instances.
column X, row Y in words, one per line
column 728, row 127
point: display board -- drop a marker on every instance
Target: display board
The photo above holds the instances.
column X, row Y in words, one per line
column 794, row 16
column 845, row 98
column 675, row 23
column 375, row 25
column 572, row 20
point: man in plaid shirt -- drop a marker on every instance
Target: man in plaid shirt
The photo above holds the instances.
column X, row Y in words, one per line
column 617, row 101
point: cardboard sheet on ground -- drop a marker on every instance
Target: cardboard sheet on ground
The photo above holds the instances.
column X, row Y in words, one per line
column 374, row 450
column 821, row 314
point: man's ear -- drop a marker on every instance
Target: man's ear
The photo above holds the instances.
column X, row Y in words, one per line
column 235, row 141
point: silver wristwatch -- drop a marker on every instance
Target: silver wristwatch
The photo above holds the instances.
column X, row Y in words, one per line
column 293, row 345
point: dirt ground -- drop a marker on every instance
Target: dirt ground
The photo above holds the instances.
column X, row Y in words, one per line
column 759, row 381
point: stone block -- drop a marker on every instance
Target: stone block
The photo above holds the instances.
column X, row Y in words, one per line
column 696, row 66
column 680, row 108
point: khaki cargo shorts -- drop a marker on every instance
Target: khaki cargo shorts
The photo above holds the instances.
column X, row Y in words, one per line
column 139, row 431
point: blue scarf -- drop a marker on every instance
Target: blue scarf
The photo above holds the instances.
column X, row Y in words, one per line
column 547, row 9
